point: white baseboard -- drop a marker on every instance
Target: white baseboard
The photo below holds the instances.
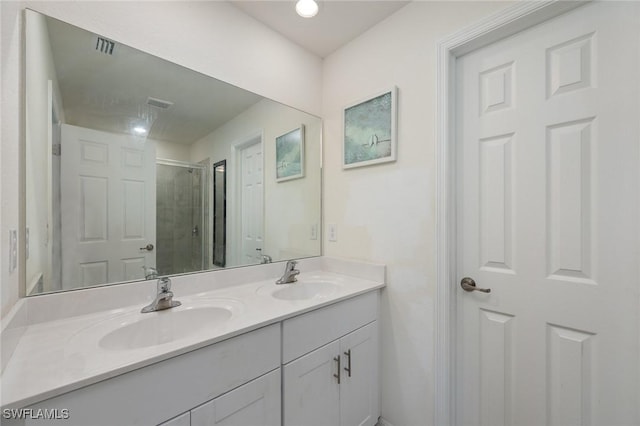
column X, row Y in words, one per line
column 383, row 422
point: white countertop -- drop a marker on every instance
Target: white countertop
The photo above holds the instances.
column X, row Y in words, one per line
column 58, row 356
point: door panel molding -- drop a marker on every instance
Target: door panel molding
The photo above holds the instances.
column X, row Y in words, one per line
column 234, row 246
column 500, row 25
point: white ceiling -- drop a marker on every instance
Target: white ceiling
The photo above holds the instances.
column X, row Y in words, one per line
column 109, row 92
column 337, row 22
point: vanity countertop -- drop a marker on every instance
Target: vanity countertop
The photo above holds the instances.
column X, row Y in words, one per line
column 59, row 356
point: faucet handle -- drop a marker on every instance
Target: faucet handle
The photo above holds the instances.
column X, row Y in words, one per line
column 164, row 284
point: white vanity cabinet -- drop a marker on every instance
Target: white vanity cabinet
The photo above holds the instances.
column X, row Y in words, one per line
column 255, row 403
column 182, row 420
column 319, row 367
column 337, row 382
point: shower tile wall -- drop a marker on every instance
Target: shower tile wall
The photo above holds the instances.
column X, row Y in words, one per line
column 179, row 226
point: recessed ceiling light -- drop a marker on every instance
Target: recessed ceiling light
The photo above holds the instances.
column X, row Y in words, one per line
column 307, row 8
column 139, row 130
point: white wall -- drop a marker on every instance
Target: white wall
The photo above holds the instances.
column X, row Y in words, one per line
column 386, row 213
column 293, row 206
column 172, row 151
column 214, row 38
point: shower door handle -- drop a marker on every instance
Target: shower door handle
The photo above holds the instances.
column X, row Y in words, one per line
column 148, row 247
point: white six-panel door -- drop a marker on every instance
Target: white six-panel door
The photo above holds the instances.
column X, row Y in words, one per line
column 108, row 195
column 252, row 207
column 548, row 219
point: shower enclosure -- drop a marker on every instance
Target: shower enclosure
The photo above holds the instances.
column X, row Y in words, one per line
column 180, row 220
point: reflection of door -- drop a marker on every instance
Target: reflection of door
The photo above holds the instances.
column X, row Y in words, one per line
column 220, row 213
column 548, row 220
column 251, row 204
column 108, row 207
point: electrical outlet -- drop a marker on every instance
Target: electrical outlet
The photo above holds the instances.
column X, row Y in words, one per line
column 332, row 231
column 13, row 250
column 314, row 231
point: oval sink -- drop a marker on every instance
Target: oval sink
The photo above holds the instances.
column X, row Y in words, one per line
column 303, row 290
column 157, row 328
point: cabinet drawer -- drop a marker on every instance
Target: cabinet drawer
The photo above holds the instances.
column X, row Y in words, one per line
column 304, row 333
column 158, row 392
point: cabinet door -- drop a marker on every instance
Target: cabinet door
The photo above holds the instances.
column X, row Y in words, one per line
column 359, row 395
column 253, row 404
column 181, row 420
column 311, row 392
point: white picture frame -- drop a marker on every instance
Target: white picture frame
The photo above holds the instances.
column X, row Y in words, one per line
column 369, row 130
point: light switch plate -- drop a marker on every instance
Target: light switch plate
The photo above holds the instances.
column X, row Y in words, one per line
column 332, row 231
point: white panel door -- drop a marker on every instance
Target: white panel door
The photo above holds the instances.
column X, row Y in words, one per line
column 548, row 134
column 255, row 404
column 359, row 383
column 311, row 391
column 252, row 204
column 108, row 207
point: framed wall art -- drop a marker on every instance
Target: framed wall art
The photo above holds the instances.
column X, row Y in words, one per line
column 369, row 130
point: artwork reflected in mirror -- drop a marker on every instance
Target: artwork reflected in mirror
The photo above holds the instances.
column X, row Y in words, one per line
column 290, row 155
column 138, row 167
column 219, row 213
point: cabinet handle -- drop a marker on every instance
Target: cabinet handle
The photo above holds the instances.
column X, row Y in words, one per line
column 348, row 367
column 337, row 376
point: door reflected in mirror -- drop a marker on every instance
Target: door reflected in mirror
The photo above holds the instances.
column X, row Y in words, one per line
column 136, row 164
column 219, row 213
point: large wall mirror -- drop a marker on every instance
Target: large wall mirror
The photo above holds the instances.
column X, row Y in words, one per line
column 122, row 152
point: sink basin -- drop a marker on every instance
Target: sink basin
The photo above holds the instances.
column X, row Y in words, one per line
column 304, row 290
column 156, row 328
column 129, row 330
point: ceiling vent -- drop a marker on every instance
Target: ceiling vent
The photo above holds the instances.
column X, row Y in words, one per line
column 105, row 46
column 158, row 103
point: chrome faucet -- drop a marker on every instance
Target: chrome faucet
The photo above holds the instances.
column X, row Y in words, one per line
column 290, row 273
column 150, row 273
column 164, row 298
column 264, row 258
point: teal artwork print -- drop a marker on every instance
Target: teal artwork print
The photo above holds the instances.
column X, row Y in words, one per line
column 368, row 129
column 289, row 155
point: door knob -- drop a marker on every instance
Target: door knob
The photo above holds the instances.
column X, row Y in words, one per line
column 468, row 284
column 148, row 247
